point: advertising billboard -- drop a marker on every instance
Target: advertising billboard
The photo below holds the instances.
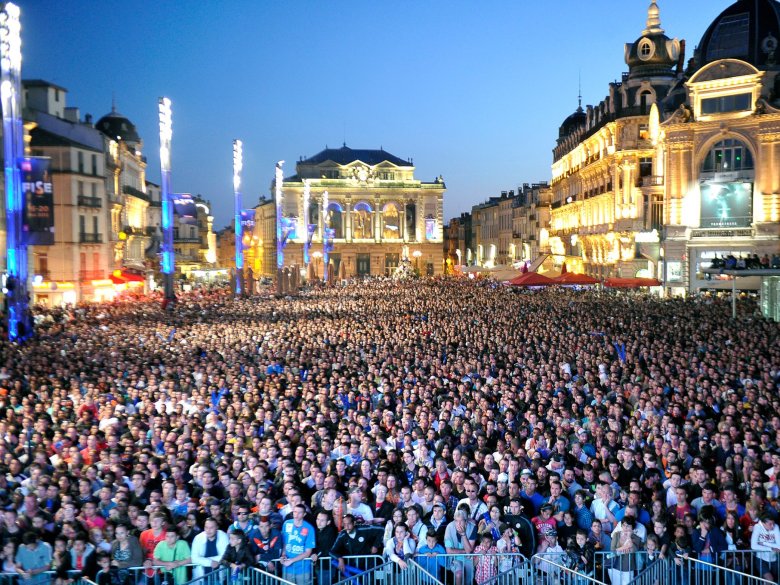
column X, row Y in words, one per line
column 184, row 208
column 38, row 197
column 726, row 205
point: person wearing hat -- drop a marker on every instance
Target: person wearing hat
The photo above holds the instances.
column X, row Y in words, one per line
column 548, row 546
column 545, row 519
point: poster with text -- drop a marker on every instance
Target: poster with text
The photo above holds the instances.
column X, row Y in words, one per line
column 38, row 197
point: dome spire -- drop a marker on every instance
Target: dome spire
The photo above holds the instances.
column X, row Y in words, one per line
column 653, row 24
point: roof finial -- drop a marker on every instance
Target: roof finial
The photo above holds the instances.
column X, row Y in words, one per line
column 579, row 91
column 113, row 102
column 653, row 19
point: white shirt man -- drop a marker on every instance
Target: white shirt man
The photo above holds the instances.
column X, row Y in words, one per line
column 213, row 538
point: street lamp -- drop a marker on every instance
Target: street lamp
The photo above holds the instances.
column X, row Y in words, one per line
column 417, row 255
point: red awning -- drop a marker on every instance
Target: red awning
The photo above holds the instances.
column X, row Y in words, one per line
column 117, row 279
column 631, row 282
column 574, row 278
column 531, row 279
column 132, row 276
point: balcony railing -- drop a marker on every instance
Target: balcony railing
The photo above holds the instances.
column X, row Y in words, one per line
column 85, row 201
column 90, row 238
column 653, row 181
column 128, row 190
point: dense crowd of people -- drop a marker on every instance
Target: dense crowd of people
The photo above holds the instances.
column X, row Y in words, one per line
column 455, row 423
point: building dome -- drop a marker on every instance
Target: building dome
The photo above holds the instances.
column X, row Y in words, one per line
column 572, row 123
column 748, row 30
column 652, row 54
column 117, row 127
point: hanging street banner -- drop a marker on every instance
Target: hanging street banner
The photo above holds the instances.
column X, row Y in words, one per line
column 247, row 227
column 38, row 197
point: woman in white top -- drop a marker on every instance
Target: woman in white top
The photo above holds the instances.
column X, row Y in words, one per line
column 400, row 548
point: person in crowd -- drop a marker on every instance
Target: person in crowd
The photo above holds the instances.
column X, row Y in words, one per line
column 459, row 538
column 486, row 563
column 765, row 539
column 624, row 543
column 126, row 552
column 430, row 556
column 33, row 559
column 161, row 417
column 401, row 548
column 238, row 555
column 208, row 548
column 173, row 555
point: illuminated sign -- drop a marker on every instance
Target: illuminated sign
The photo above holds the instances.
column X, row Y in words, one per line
column 726, row 205
column 38, row 201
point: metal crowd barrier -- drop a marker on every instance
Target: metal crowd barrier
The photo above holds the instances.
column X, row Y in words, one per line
column 548, row 571
column 250, row 576
column 327, row 570
column 45, row 577
column 699, row 572
column 748, row 561
column 461, row 569
column 615, row 567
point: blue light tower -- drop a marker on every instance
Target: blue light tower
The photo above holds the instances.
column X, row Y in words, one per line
column 13, row 143
column 168, row 254
column 238, row 165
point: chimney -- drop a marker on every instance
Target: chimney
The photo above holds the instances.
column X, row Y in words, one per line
column 88, row 119
column 72, row 115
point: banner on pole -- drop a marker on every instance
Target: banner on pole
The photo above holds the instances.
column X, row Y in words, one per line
column 289, row 227
column 247, row 227
column 38, row 198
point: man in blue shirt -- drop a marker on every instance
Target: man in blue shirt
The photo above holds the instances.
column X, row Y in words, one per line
column 298, row 539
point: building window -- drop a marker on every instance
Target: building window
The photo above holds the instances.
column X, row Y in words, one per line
column 391, row 263
column 94, row 164
column 334, row 219
column 728, row 103
column 363, row 264
column 391, row 228
column 728, row 156
column 80, row 158
column 646, row 49
column 362, row 221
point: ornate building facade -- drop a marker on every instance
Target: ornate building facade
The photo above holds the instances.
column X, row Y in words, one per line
column 378, row 211
column 721, row 147
column 606, row 183
column 679, row 164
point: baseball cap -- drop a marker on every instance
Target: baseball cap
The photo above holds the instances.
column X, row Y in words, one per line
column 503, row 477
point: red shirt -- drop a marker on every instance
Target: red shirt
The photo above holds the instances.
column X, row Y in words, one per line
column 148, row 541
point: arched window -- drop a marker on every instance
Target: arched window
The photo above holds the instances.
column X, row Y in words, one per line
column 334, row 219
column 728, row 156
column 411, row 221
column 391, row 222
column 314, row 213
column 362, row 221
